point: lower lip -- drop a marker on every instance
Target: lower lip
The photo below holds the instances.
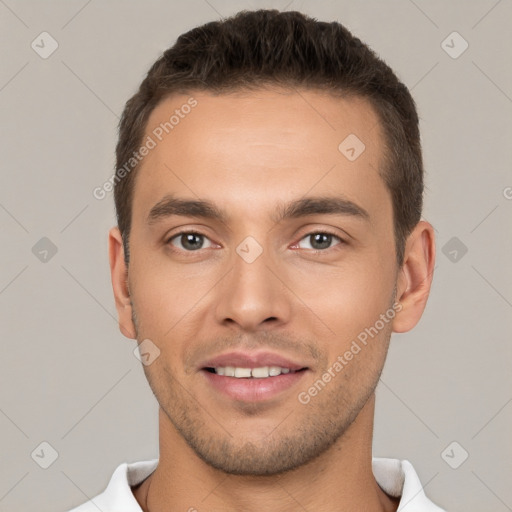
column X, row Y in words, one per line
column 253, row 389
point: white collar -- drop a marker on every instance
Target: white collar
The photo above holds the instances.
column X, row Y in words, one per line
column 396, row 477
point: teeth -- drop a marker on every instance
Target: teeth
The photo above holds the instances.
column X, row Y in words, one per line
column 242, row 372
column 274, row 371
column 257, row 373
column 260, row 373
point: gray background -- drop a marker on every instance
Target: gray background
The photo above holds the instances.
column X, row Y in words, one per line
column 69, row 378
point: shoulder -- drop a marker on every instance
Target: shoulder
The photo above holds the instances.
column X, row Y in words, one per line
column 118, row 494
column 398, row 478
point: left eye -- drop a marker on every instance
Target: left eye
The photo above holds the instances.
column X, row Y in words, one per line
column 319, row 241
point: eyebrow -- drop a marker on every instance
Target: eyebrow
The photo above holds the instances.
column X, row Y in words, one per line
column 171, row 205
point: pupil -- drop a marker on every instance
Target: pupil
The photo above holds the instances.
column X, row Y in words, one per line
column 188, row 241
column 322, row 239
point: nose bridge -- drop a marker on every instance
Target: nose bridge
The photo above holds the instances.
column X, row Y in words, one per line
column 252, row 294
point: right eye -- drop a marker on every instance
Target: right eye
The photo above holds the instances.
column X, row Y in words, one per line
column 189, row 241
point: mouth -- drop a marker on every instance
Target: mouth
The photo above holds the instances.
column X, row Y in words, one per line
column 252, row 378
column 262, row 372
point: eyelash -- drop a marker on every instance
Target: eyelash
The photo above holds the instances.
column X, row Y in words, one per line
column 311, row 251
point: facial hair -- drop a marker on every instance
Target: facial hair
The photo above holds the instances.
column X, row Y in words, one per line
column 308, row 432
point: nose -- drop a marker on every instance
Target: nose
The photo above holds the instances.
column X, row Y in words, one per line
column 251, row 296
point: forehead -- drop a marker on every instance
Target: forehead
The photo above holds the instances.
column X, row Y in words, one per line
column 250, row 146
column 293, row 114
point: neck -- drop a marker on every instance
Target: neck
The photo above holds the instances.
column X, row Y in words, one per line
column 340, row 479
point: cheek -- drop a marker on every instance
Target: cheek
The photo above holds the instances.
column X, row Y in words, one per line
column 346, row 299
column 169, row 296
column 160, row 298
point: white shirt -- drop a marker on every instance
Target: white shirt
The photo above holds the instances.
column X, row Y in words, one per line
column 395, row 477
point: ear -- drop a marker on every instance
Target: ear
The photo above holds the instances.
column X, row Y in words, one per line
column 119, row 276
column 415, row 276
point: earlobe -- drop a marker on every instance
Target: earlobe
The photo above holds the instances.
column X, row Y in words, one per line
column 415, row 277
column 118, row 273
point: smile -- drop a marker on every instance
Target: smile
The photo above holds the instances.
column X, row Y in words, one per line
column 258, row 384
column 247, row 373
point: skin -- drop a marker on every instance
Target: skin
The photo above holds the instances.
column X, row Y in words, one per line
column 247, row 153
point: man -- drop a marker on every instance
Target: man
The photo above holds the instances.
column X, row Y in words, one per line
column 268, row 193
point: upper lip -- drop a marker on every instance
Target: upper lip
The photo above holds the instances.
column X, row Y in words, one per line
column 251, row 360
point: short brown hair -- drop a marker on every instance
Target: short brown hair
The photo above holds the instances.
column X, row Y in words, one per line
column 254, row 49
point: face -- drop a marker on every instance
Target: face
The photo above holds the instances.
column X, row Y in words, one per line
column 258, row 248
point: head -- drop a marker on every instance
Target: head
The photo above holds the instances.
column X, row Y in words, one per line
column 301, row 250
